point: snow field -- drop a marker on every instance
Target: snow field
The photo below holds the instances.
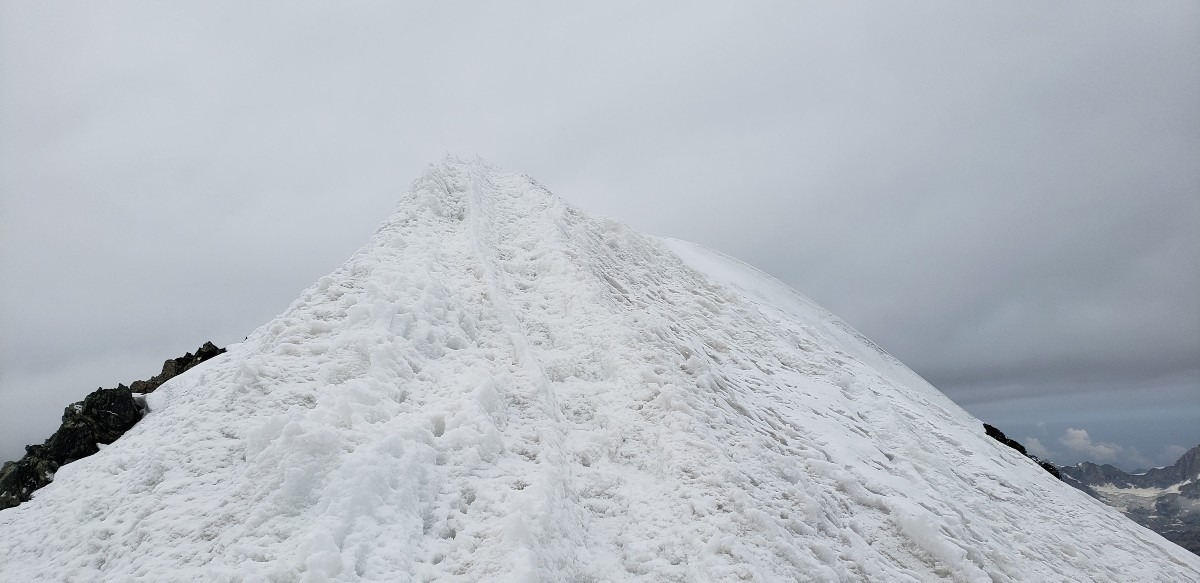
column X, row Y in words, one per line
column 499, row 388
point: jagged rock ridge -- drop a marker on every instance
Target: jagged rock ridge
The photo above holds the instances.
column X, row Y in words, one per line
column 99, row 419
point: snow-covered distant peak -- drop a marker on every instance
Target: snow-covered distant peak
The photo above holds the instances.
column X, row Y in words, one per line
column 497, row 387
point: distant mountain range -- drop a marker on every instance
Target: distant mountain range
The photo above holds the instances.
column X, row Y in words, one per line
column 1165, row 500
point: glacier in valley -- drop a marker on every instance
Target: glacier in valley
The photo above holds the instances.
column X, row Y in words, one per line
column 497, row 387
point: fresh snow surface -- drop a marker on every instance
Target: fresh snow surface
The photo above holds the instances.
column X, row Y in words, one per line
column 500, row 388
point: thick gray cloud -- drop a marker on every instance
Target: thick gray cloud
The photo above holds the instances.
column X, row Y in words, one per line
column 1005, row 197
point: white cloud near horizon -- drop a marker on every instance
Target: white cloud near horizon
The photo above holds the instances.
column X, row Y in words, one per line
column 1079, row 442
column 1034, row 446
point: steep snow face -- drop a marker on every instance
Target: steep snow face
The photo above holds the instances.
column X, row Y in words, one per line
column 498, row 387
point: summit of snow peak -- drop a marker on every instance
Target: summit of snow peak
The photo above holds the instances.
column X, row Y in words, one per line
column 498, row 387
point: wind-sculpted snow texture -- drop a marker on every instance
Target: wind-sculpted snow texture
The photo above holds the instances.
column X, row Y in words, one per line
column 500, row 388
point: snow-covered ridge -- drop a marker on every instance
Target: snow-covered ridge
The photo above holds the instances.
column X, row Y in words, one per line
column 497, row 387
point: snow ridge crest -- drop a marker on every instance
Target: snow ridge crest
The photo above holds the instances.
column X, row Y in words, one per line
column 499, row 387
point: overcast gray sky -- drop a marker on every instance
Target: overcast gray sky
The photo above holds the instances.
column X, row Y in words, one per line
column 1005, row 196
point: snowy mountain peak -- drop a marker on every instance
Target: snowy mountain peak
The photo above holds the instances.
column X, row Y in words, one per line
column 453, row 180
column 499, row 387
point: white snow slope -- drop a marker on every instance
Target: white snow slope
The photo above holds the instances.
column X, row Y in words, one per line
column 500, row 388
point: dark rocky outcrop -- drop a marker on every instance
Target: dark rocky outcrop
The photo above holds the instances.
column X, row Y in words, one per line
column 99, row 419
column 176, row 366
column 999, row 436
